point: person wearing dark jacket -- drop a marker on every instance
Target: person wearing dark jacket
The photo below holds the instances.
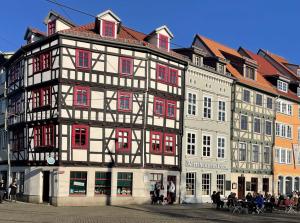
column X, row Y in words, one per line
column 13, row 190
column 2, row 190
column 220, row 203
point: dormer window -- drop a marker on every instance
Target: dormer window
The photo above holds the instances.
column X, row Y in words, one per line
column 163, row 42
column 298, row 72
column 108, row 28
column 51, row 27
column 282, row 86
column 250, row 73
column 221, row 68
column 197, row 60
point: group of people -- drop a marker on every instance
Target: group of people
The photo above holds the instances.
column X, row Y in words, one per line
column 12, row 195
column 158, row 193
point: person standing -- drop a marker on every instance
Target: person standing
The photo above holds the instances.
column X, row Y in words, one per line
column 13, row 190
column 2, row 190
column 172, row 192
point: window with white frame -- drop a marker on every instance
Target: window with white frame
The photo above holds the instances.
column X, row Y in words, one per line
column 242, row 151
column 282, row 86
column 277, row 155
column 282, row 156
column 288, row 157
column 222, row 111
column 255, row 153
column 244, row 122
column 256, row 125
column 197, row 60
column 221, row 147
column 266, row 154
column 259, row 99
column 206, row 107
column 298, row 133
column 284, row 107
column 298, row 72
column 192, row 103
column 191, row 143
column 206, row 145
column 206, row 184
column 220, row 183
column 190, row 185
column 283, row 130
column 268, row 127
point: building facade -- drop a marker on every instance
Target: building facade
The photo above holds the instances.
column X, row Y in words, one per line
column 95, row 112
column 206, row 165
column 286, row 156
column 253, row 116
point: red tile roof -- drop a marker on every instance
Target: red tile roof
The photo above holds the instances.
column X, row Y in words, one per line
column 266, row 69
column 260, row 83
column 125, row 35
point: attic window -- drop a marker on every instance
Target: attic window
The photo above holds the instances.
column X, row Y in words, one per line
column 108, row 28
column 163, row 42
column 51, row 27
column 282, row 86
column 250, row 73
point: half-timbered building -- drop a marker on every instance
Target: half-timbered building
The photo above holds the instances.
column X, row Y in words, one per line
column 253, row 115
column 286, row 155
column 95, row 112
column 206, row 156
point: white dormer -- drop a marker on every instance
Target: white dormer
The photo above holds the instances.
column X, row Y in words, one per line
column 56, row 22
column 161, row 37
column 108, row 24
column 250, row 72
column 282, row 86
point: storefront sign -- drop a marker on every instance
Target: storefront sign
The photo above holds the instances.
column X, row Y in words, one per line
column 76, row 183
column 205, row 165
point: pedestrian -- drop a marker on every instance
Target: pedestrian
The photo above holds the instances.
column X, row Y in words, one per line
column 2, row 190
column 13, row 190
column 172, row 189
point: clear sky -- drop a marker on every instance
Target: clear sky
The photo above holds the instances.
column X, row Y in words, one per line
column 273, row 25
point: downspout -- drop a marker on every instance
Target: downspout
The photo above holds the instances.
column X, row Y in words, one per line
column 273, row 151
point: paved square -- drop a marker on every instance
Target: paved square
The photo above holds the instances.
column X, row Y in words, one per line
column 24, row 212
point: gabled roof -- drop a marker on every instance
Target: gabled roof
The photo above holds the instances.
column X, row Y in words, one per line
column 279, row 60
column 57, row 15
column 111, row 13
column 218, row 49
column 160, row 28
column 35, row 31
column 125, row 35
column 268, row 69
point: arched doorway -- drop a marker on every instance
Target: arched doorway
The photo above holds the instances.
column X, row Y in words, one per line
column 288, row 185
column 280, row 185
column 296, row 184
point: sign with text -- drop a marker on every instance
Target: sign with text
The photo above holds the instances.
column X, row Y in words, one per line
column 205, row 165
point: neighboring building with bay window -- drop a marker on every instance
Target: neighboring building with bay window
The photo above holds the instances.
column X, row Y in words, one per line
column 95, row 112
column 206, row 155
column 253, row 117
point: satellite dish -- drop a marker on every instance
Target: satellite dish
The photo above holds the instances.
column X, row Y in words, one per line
column 50, row 160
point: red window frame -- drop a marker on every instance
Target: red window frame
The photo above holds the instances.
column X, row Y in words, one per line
column 105, row 25
column 41, row 62
column 75, row 96
column 128, row 60
column 51, row 27
column 173, row 72
column 159, row 68
column 124, row 94
column 163, row 42
column 46, row 96
column 48, row 135
column 86, row 136
column 86, row 58
column 171, row 104
column 153, row 134
column 162, row 102
column 38, row 136
column 129, row 139
column 171, row 139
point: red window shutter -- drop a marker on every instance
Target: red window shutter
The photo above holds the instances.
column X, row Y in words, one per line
column 83, row 59
column 173, row 77
column 126, row 66
column 159, row 107
column 124, row 101
column 171, row 109
column 108, row 28
column 80, row 134
column 156, row 142
column 81, row 96
column 123, row 140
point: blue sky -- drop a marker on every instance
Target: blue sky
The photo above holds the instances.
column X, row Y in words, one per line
column 269, row 24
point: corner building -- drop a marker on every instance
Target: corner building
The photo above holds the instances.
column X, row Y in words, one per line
column 96, row 112
column 206, row 155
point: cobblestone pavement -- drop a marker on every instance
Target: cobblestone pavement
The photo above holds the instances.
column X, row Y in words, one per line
column 25, row 213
